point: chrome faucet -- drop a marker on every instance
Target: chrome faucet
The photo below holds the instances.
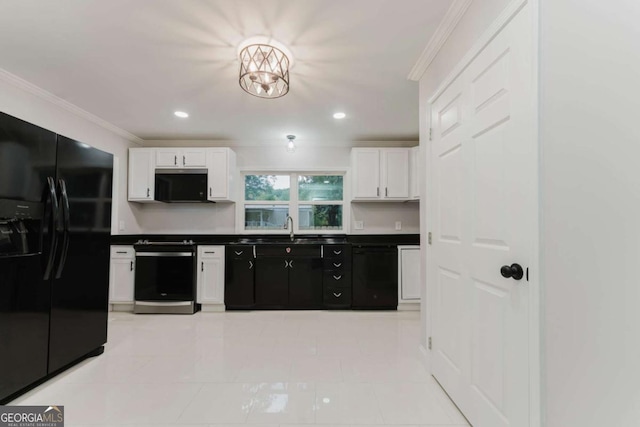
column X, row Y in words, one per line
column 286, row 226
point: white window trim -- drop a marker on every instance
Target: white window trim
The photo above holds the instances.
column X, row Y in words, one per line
column 293, row 200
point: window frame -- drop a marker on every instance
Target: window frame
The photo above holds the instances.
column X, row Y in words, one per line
column 294, row 202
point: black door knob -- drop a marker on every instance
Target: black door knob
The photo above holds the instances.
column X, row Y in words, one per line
column 513, row 271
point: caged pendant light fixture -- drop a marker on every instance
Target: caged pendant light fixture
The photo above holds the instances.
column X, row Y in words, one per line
column 264, row 70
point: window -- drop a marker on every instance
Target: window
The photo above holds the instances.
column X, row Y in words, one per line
column 314, row 201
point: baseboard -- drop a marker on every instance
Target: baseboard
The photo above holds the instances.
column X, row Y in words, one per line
column 409, row 306
column 212, row 308
column 122, row 307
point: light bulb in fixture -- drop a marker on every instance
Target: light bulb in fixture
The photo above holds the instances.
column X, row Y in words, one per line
column 291, row 146
column 339, row 115
column 181, row 114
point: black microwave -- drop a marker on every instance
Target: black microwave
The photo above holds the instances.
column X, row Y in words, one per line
column 181, row 185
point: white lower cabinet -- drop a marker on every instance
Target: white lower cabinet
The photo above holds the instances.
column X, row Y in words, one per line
column 409, row 277
column 121, row 277
column 210, row 282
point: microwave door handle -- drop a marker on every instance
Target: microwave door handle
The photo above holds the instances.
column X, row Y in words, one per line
column 66, row 222
column 53, row 198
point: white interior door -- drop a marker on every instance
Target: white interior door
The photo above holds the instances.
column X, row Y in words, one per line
column 485, row 206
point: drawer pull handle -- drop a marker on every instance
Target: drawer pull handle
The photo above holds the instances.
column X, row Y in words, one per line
column 337, row 252
column 238, row 252
column 337, row 295
column 121, row 252
column 337, row 265
column 337, row 277
column 250, row 265
column 131, row 268
column 209, row 252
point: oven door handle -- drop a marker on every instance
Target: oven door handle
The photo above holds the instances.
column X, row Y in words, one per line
column 164, row 254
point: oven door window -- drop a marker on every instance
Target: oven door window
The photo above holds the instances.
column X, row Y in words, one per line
column 165, row 277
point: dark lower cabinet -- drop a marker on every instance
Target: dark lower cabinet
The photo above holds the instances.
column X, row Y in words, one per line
column 337, row 277
column 272, row 282
column 305, row 283
column 239, row 277
column 375, row 277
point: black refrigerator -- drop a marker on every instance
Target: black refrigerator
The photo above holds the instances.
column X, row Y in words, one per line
column 55, row 226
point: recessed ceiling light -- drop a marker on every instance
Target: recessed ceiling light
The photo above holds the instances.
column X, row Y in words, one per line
column 339, row 115
column 181, row 114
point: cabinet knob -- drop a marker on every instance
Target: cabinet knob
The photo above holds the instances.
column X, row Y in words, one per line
column 337, row 277
column 337, row 252
column 238, row 252
column 337, row 264
column 337, row 295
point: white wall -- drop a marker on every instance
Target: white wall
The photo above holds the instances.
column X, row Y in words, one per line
column 220, row 218
column 20, row 99
column 590, row 137
column 476, row 20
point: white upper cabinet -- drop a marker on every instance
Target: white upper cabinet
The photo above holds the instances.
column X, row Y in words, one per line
column 221, row 166
column 141, row 174
column 380, row 174
column 180, row 158
column 219, row 163
column 414, row 173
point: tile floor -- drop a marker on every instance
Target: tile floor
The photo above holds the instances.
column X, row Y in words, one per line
column 258, row 368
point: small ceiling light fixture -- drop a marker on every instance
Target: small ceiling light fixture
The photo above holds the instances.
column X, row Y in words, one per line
column 339, row 115
column 181, row 114
column 264, row 69
column 291, row 146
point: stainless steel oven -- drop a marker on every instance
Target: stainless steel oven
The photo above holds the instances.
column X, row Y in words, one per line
column 165, row 278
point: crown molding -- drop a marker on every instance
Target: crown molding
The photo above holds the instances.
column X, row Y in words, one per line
column 439, row 38
column 66, row 105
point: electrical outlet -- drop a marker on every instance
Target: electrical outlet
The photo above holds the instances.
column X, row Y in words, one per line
column 359, row 225
column 121, row 226
column 398, row 225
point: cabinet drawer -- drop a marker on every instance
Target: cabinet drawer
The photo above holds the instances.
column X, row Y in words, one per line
column 335, row 264
column 337, row 279
column 337, row 297
column 336, row 251
column 122, row 252
column 210, row 251
column 288, row 251
column 240, row 251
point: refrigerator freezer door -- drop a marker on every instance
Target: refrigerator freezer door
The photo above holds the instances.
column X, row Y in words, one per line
column 79, row 297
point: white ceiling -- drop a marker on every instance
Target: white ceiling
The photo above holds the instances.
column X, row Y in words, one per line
column 132, row 63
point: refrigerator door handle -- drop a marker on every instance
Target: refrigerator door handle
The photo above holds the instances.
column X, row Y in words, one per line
column 51, row 194
column 66, row 221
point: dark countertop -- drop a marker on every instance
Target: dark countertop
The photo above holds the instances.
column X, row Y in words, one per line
column 227, row 239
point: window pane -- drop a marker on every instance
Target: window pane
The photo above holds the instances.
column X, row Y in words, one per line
column 320, row 187
column 320, row 217
column 265, row 217
column 266, row 187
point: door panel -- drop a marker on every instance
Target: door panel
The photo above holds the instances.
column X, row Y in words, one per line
column 305, row 283
column 395, row 170
column 484, row 172
column 239, row 278
column 366, row 173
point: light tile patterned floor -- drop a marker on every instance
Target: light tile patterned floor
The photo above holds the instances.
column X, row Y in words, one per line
column 272, row 368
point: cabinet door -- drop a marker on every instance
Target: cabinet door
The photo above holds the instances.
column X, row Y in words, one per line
column 395, row 171
column 366, row 173
column 121, row 277
column 239, row 279
column 141, row 180
column 410, row 274
column 305, row 283
column 193, row 158
column 218, row 174
column 272, row 282
column 168, row 158
column 210, row 281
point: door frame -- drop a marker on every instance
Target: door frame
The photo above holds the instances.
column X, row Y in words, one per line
column 534, row 284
